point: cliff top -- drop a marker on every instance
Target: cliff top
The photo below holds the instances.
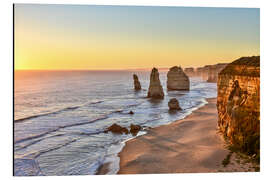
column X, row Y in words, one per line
column 175, row 68
column 248, row 61
column 244, row 66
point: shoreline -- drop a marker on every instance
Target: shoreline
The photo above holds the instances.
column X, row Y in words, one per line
column 189, row 145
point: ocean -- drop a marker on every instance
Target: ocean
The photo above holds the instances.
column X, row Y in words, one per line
column 60, row 117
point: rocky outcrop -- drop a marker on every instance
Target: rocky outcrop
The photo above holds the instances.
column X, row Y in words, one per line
column 177, row 79
column 137, row 84
column 134, row 129
column 238, row 103
column 155, row 89
column 190, row 72
column 117, row 129
column 174, row 104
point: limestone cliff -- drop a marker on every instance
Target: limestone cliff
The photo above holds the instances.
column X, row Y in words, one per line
column 199, row 71
column 214, row 70
column 155, row 89
column 205, row 72
column 190, row 72
column 238, row 103
column 177, row 79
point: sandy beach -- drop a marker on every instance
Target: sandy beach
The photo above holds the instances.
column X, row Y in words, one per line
column 191, row 145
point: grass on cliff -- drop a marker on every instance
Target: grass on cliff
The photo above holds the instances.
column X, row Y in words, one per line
column 245, row 152
column 226, row 161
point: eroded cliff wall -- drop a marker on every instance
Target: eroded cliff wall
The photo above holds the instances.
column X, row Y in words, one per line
column 238, row 103
column 214, row 70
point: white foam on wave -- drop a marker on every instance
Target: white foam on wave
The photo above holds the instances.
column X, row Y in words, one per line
column 26, row 167
column 114, row 160
column 112, row 157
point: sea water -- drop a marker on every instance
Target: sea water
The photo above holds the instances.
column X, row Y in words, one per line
column 60, row 117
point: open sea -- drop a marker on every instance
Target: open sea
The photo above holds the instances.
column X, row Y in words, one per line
column 60, row 117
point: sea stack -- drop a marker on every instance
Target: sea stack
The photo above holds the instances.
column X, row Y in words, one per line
column 137, row 84
column 177, row 79
column 174, row 104
column 155, row 89
column 238, row 103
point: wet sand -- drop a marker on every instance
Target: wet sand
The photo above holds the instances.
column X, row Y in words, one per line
column 191, row 145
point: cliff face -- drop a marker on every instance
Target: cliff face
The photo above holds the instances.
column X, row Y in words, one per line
column 238, row 103
column 214, row 70
column 205, row 72
column 190, row 71
column 155, row 89
column 177, row 79
column 199, row 71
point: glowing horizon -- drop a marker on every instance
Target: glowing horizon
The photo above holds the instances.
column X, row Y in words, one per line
column 88, row 37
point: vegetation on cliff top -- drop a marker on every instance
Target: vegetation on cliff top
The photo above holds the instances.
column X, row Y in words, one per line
column 244, row 66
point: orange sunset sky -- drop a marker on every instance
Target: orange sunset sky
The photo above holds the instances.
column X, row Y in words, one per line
column 126, row 37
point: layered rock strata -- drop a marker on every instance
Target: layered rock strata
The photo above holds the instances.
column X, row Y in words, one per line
column 238, row 103
column 214, row 70
column 177, row 79
column 155, row 89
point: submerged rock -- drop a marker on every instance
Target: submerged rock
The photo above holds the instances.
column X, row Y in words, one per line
column 137, row 84
column 177, row 79
column 115, row 128
column 155, row 89
column 134, row 129
column 174, row 104
column 131, row 112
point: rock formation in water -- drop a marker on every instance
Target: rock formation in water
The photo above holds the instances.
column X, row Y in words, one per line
column 117, row 129
column 131, row 112
column 137, row 84
column 214, row 70
column 177, row 79
column 174, row 104
column 155, row 89
column 190, row 72
column 134, row 129
column 238, row 103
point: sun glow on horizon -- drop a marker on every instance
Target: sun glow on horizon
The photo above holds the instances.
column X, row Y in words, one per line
column 76, row 37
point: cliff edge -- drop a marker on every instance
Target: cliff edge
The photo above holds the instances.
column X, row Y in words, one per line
column 238, row 104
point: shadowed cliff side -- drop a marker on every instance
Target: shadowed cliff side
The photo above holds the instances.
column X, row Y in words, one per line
column 238, row 104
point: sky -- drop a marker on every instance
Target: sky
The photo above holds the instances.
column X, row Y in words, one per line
column 74, row 37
